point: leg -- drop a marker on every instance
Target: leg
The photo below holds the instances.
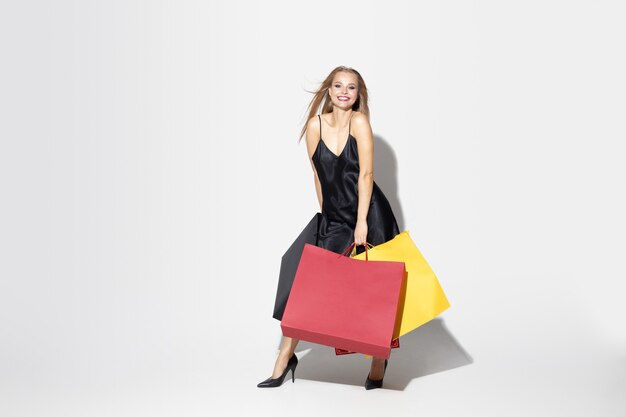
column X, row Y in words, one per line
column 288, row 346
column 377, row 370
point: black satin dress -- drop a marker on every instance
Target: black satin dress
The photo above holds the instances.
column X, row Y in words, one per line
column 339, row 176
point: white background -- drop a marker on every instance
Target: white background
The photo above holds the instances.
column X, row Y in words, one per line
column 151, row 180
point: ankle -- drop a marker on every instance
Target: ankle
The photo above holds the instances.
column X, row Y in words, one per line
column 285, row 356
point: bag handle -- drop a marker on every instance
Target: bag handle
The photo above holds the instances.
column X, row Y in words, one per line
column 352, row 246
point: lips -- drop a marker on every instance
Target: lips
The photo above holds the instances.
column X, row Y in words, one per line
column 343, row 98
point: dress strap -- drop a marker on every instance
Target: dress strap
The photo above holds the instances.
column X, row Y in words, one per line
column 349, row 123
column 320, row 117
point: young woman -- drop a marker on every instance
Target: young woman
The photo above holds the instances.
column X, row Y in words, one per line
column 353, row 208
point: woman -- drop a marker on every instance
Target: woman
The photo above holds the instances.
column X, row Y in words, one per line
column 353, row 207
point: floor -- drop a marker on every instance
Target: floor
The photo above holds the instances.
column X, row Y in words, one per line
column 430, row 374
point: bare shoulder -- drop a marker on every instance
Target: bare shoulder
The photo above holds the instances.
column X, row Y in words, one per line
column 361, row 125
column 313, row 123
column 360, row 119
column 312, row 128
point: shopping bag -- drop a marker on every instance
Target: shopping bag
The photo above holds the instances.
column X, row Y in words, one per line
column 342, row 302
column 395, row 343
column 289, row 264
column 424, row 298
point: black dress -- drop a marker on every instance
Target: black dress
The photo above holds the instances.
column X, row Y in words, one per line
column 339, row 176
column 333, row 228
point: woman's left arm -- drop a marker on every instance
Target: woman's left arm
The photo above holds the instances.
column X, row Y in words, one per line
column 365, row 141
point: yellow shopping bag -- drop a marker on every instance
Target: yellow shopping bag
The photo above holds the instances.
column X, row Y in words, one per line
column 424, row 299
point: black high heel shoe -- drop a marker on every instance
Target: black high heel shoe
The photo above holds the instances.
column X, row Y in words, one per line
column 277, row 382
column 378, row 383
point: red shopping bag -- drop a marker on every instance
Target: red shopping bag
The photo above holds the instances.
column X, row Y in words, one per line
column 343, row 302
column 395, row 343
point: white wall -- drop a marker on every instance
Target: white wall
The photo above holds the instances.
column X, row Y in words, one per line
column 151, row 180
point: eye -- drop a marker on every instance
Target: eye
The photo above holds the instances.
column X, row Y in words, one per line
column 352, row 88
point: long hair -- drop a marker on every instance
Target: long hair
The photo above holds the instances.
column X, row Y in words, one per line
column 321, row 97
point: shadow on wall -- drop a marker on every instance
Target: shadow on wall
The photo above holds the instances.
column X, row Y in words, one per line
column 427, row 350
column 386, row 176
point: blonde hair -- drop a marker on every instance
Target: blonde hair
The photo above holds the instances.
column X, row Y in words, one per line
column 321, row 97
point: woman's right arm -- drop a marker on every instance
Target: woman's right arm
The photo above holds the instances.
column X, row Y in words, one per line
column 312, row 138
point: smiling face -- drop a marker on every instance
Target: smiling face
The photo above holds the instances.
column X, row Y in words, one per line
column 344, row 90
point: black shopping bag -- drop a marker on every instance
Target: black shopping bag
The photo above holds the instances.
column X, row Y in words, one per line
column 289, row 264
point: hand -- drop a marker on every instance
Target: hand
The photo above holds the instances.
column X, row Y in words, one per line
column 360, row 233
